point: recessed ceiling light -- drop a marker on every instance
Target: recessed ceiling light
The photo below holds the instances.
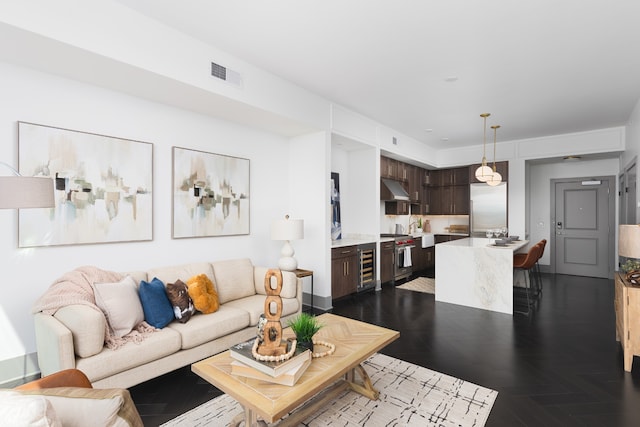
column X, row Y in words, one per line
column 451, row 79
column 445, row 139
column 571, row 158
column 428, row 130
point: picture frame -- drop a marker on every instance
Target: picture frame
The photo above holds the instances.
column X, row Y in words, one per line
column 103, row 187
column 211, row 194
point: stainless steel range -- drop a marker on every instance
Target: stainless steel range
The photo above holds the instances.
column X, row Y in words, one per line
column 402, row 255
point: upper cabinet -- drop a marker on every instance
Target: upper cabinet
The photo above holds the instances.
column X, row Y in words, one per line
column 388, row 168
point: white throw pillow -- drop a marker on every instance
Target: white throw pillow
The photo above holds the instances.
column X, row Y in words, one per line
column 86, row 412
column 120, row 304
column 233, row 279
column 17, row 410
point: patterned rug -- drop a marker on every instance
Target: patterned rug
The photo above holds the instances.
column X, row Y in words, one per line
column 420, row 284
column 410, row 395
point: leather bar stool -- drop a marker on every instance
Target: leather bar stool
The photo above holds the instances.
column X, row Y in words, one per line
column 526, row 263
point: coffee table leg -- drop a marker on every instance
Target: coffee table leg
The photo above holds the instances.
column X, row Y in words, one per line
column 248, row 418
column 366, row 388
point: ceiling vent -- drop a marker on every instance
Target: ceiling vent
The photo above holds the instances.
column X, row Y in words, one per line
column 223, row 73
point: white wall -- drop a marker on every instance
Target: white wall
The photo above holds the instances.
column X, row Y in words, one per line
column 45, row 99
column 632, row 146
column 540, row 192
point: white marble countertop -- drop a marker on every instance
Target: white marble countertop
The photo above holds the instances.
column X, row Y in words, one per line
column 340, row 243
column 483, row 242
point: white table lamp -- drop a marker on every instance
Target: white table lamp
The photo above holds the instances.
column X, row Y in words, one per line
column 287, row 229
column 629, row 246
column 18, row 192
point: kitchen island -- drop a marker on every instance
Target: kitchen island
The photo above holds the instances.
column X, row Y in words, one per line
column 475, row 273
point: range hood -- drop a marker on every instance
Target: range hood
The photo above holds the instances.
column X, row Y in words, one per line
column 392, row 190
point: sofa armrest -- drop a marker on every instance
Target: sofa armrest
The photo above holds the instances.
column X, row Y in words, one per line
column 54, row 343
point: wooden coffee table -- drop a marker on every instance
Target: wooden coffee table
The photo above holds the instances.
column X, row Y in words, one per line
column 325, row 378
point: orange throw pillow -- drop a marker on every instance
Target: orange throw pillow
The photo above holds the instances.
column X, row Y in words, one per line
column 204, row 296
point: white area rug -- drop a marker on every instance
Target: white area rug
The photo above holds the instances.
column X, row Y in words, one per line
column 420, row 284
column 410, row 395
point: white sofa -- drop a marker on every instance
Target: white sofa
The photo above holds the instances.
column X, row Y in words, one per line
column 67, row 339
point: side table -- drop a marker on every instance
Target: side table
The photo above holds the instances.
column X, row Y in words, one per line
column 627, row 306
column 306, row 273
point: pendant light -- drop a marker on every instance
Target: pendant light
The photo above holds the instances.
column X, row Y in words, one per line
column 484, row 172
column 495, row 178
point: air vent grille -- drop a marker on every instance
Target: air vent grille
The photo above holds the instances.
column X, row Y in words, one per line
column 223, row 73
column 218, row 71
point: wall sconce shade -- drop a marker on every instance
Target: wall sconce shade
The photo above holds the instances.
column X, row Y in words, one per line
column 18, row 192
column 287, row 229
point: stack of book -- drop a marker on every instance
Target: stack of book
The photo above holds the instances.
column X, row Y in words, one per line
column 286, row 373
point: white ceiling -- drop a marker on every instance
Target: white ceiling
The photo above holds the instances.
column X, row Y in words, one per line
column 542, row 67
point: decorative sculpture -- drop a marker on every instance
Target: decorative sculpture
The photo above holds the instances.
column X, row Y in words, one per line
column 270, row 343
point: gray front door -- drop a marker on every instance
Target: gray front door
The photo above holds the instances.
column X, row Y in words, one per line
column 583, row 227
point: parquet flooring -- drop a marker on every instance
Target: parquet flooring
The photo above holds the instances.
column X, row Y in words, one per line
column 560, row 366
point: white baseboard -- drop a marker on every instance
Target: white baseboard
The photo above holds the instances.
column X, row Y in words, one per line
column 19, row 370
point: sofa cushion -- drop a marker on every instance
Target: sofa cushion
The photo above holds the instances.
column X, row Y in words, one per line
column 203, row 328
column 87, row 326
column 254, row 305
column 158, row 311
column 110, row 362
column 181, row 272
column 182, row 303
column 17, row 409
column 120, row 304
column 289, row 282
column 233, row 279
column 202, row 293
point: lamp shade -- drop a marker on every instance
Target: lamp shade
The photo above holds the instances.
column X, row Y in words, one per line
column 287, row 229
column 17, row 192
column 629, row 240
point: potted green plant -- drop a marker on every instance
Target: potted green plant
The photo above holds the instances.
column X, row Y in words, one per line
column 305, row 327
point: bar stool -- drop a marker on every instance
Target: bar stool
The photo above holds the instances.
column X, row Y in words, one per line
column 526, row 263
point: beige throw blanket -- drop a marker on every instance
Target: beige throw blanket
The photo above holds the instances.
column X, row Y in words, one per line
column 74, row 287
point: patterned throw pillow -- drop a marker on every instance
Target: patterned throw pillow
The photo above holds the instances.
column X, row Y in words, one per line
column 181, row 301
column 201, row 291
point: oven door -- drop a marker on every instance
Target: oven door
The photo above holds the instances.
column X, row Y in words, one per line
column 401, row 271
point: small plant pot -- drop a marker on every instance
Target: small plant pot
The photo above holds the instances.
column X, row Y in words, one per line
column 304, row 345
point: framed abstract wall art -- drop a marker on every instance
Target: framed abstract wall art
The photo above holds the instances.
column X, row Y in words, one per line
column 103, row 187
column 210, row 194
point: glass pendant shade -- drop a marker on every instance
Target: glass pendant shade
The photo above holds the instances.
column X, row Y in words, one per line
column 483, row 173
column 495, row 179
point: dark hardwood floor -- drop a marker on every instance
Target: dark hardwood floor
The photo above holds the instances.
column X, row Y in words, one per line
column 559, row 366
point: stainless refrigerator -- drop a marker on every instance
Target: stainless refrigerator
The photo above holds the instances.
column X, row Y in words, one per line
column 488, row 208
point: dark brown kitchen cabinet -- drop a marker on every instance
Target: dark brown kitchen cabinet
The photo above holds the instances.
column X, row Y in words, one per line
column 431, row 257
column 397, row 207
column 455, row 176
column 414, row 184
column 418, row 258
column 388, row 168
column 387, row 260
column 404, row 171
column 449, row 200
column 344, row 271
column 501, row 167
column 441, row 238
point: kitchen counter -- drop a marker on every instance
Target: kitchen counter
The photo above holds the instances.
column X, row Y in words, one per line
column 475, row 273
column 340, row 243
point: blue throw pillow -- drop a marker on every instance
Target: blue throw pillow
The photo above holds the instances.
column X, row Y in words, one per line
column 157, row 308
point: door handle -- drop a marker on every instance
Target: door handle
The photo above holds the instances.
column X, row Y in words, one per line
column 559, row 225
